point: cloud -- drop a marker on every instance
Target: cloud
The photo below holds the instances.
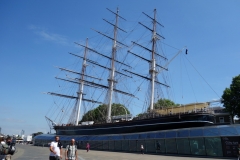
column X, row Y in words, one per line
column 33, row 27
column 52, row 37
column 6, row 109
column 12, row 120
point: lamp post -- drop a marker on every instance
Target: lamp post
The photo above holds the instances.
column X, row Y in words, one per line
column 125, row 111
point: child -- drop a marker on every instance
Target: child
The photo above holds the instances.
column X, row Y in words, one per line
column 88, row 147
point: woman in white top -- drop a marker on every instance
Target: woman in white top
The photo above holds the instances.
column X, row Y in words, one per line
column 142, row 149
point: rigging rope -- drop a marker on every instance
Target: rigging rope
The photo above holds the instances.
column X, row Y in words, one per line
column 203, row 78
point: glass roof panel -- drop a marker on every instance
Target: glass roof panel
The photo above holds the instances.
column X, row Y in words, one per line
column 195, row 132
column 160, row 135
column 228, row 131
column 183, row 133
column 211, row 132
column 134, row 136
column 151, row 135
column 237, row 127
column 171, row 134
column 143, row 136
column 116, row 137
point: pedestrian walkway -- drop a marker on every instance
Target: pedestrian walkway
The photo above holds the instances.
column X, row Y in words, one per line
column 25, row 152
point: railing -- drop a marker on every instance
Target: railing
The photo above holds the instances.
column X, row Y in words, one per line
column 156, row 115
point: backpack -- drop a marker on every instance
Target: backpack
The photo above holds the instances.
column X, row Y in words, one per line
column 4, row 149
column 11, row 150
column 59, row 145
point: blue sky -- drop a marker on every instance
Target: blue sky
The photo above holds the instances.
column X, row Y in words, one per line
column 36, row 35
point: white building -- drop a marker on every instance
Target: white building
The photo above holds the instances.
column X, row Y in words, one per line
column 27, row 139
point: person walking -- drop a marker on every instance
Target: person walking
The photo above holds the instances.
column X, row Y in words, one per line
column 71, row 151
column 2, row 143
column 88, row 147
column 55, row 149
column 158, row 146
column 142, row 149
column 5, row 149
column 238, row 151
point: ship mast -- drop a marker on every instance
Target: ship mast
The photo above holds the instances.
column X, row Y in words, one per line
column 111, row 80
column 80, row 93
column 153, row 64
column 153, row 70
column 111, row 87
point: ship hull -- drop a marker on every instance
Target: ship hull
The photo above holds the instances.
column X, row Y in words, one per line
column 145, row 125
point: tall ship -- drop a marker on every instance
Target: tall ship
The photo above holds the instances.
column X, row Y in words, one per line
column 113, row 79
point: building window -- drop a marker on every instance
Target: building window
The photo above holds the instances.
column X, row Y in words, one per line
column 221, row 119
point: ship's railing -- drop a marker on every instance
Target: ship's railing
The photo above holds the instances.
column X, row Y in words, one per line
column 155, row 115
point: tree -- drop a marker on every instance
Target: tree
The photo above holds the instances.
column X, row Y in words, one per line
column 231, row 97
column 99, row 114
column 164, row 103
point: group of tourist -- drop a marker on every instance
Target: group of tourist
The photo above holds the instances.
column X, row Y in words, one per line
column 7, row 148
column 70, row 151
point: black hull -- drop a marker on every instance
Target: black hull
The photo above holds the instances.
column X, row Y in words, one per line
column 145, row 125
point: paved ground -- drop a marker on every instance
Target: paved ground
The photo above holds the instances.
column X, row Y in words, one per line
column 29, row 152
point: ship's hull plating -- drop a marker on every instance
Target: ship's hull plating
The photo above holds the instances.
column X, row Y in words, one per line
column 145, row 125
